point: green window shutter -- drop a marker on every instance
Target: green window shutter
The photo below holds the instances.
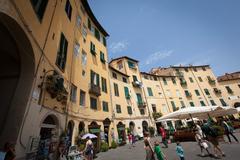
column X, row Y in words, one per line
column 135, row 78
column 92, row 48
column 102, row 58
column 129, row 109
column 191, row 104
column 89, row 24
column 131, row 64
column 202, row 103
column 191, row 80
column 105, row 106
column 97, row 79
column 150, row 93
column 139, row 98
column 197, row 92
column 126, row 91
column 212, row 102
column 104, row 41
column 97, row 34
column 206, row 91
column 92, row 77
column 116, row 89
column 223, row 102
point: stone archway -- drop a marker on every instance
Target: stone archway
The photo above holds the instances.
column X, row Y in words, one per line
column 81, row 128
column 144, row 126
column 106, row 126
column 70, row 128
column 17, row 65
column 132, row 127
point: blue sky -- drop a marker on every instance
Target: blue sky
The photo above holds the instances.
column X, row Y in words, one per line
column 173, row 32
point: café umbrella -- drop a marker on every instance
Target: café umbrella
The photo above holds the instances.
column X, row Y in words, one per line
column 199, row 112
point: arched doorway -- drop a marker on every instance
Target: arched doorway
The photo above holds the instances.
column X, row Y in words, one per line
column 144, row 126
column 132, row 127
column 106, row 125
column 48, row 137
column 70, row 128
column 17, row 66
column 121, row 133
column 94, row 128
column 81, row 128
column 236, row 105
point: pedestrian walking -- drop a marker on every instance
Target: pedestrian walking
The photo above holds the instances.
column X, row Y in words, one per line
column 130, row 140
column 228, row 130
column 149, row 150
column 164, row 136
column 133, row 140
column 203, row 144
column 180, row 151
column 89, row 149
column 158, row 151
column 211, row 135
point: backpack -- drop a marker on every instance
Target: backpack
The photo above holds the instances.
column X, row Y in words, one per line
column 213, row 131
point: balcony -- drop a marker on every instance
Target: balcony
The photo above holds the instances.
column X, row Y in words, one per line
column 128, row 96
column 94, row 89
column 183, row 83
column 211, row 81
column 137, row 84
column 217, row 91
column 141, row 104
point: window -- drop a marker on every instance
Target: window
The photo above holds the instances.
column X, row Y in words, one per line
column 164, row 81
column 102, row 57
column 118, row 108
column 135, row 78
column 120, row 65
column 126, row 91
column 202, row 103
column 78, row 21
column 105, row 106
column 89, row 24
column 124, row 79
column 97, row 34
column 203, row 68
column 173, row 81
column 92, row 48
column 154, row 108
column 206, row 91
column 223, row 102
column 200, row 79
column 116, row 92
column 93, row 103
column 197, row 92
column 104, row 85
column 139, row 98
column 114, row 75
column 229, row 90
column 39, row 7
column 173, row 106
column 195, row 69
column 142, row 111
column 73, row 93
column 238, row 85
column 191, row 104
column 131, row 64
column 82, row 98
column 178, row 93
column 155, row 78
column 182, row 104
column 84, row 58
column 168, row 93
column 62, row 53
column 150, row 93
column 129, row 108
column 187, row 93
column 76, row 48
column 104, row 41
column 212, row 102
column 190, row 79
column 68, row 9
column 84, row 31
column 94, row 78
column 186, row 70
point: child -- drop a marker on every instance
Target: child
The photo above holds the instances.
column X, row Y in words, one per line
column 180, row 151
column 202, row 143
column 159, row 153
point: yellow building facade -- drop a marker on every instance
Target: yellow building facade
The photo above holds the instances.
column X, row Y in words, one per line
column 58, row 74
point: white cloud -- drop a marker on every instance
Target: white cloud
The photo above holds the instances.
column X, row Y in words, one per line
column 118, row 46
column 157, row 56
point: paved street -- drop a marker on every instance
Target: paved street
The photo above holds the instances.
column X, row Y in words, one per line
column 192, row 152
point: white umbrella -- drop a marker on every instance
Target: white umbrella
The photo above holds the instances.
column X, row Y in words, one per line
column 89, row 135
column 199, row 112
column 238, row 109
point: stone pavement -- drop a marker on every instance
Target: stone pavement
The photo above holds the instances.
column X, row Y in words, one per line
column 192, row 151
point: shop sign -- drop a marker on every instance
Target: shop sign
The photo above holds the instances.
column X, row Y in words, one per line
column 94, row 130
